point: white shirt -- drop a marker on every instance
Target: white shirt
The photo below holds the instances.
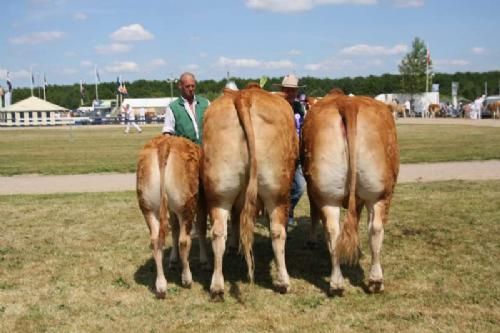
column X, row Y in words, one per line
column 407, row 105
column 169, row 122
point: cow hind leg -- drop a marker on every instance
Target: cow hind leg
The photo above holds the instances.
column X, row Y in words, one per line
column 184, row 248
column 312, row 238
column 332, row 232
column 376, row 237
column 234, row 236
column 157, row 235
column 201, row 226
column 219, row 218
column 279, row 216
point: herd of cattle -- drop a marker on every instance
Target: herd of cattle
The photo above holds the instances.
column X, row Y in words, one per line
column 350, row 157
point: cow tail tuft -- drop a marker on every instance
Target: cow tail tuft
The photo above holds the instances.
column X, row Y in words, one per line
column 248, row 213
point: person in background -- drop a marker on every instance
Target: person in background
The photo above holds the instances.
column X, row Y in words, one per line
column 184, row 116
column 290, row 86
column 142, row 116
column 130, row 114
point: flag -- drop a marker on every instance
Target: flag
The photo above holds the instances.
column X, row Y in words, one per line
column 9, row 84
column 97, row 77
column 428, row 56
column 123, row 89
column 32, row 79
column 45, row 84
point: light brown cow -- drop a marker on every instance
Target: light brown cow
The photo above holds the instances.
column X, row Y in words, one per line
column 433, row 110
column 168, row 180
column 494, row 109
column 249, row 152
column 398, row 110
column 350, row 158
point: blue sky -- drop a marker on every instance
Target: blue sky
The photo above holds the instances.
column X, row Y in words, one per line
column 154, row 39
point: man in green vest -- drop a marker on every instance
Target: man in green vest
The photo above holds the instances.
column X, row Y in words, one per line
column 184, row 116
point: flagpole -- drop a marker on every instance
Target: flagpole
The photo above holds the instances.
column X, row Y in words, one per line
column 44, row 82
column 427, row 69
column 96, row 92
column 31, row 81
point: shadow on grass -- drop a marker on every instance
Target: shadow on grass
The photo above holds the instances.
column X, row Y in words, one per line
column 303, row 263
column 313, row 265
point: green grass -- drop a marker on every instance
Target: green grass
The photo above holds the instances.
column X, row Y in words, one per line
column 82, row 150
column 82, row 263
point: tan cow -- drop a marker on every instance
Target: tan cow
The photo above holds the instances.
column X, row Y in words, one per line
column 494, row 109
column 168, row 174
column 350, row 158
column 249, row 152
column 433, row 110
column 398, row 110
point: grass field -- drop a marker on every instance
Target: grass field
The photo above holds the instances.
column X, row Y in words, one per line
column 81, row 263
column 106, row 149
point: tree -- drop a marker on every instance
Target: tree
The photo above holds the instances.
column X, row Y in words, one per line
column 413, row 68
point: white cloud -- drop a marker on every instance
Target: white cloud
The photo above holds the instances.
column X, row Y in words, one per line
column 113, row 48
column 86, row 63
column 80, row 16
column 408, row 3
column 253, row 63
column 332, row 64
column 300, row 5
column 450, row 62
column 191, row 67
column 158, row 62
column 370, row 50
column 20, row 74
column 294, row 52
column 478, row 50
column 133, row 32
column 122, row 67
column 38, row 37
column 69, row 71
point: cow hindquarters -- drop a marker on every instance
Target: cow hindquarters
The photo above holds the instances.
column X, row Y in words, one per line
column 377, row 211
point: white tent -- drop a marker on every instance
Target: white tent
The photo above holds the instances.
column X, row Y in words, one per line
column 33, row 111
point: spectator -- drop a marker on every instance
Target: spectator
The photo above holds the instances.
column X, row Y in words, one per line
column 130, row 114
column 290, row 86
column 184, row 116
column 142, row 116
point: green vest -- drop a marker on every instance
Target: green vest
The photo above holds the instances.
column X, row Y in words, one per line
column 183, row 124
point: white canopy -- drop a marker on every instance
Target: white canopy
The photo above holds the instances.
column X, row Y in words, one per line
column 33, row 104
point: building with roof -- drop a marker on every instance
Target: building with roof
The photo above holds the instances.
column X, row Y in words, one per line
column 34, row 111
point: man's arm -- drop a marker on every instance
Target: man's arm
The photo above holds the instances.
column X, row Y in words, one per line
column 169, row 122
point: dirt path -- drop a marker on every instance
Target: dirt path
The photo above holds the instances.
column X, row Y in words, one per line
column 35, row 184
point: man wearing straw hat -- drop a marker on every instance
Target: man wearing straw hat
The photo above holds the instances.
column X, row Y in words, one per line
column 290, row 87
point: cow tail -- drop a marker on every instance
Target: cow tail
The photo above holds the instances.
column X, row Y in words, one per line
column 347, row 245
column 247, row 216
column 163, row 152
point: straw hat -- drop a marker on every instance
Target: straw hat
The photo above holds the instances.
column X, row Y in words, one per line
column 290, row 81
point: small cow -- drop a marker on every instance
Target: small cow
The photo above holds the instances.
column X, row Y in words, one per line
column 350, row 157
column 168, row 174
column 433, row 110
column 249, row 151
column 494, row 109
column 398, row 110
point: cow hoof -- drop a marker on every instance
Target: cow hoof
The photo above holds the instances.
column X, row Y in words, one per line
column 217, row 296
column 282, row 288
column 336, row 292
column 160, row 294
column 376, row 287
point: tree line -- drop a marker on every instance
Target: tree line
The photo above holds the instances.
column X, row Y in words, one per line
column 471, row 85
